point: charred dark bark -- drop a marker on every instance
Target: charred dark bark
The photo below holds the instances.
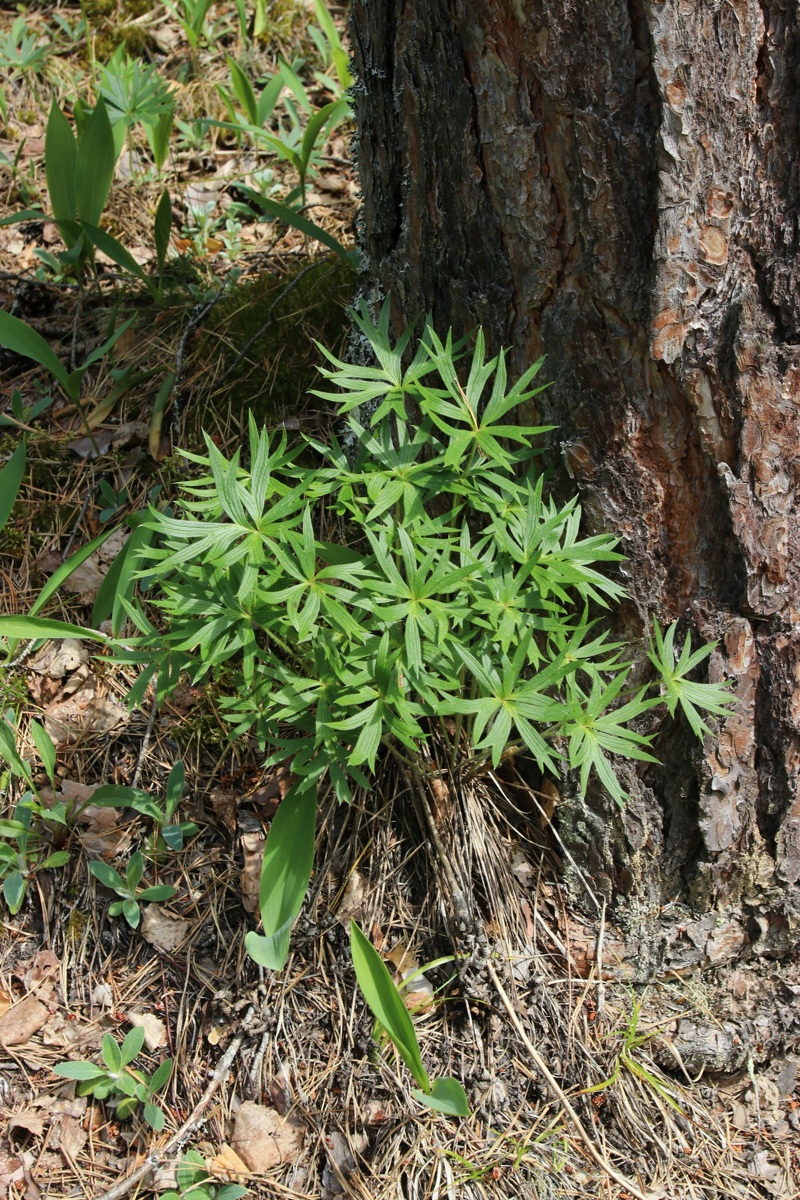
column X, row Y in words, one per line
column 616, row 184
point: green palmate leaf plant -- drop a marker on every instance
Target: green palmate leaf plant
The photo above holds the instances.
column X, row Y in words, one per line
column 117, row 1082
column 411, row 584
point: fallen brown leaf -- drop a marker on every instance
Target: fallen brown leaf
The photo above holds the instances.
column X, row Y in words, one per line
column 103, row 995
column 37, row 973
column 401, row 959
column 28, row 1121
column 12, row 1171
column 155, row 1031
column 219, row 1030
column 102, row 834
column 351, row 906
column 22, row 1021
column 86, row 579
column 55, row 663
column 163, row 931
column 263, row 1139
column 70, row 1138
column 341, row 1164
column 85, row 711
column 227, row 1166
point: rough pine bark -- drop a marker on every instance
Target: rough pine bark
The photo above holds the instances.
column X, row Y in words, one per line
column 616, row 184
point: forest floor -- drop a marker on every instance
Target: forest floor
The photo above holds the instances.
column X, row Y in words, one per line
column 276, row 1084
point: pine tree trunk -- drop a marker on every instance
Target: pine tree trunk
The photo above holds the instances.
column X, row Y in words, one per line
column 615, row 184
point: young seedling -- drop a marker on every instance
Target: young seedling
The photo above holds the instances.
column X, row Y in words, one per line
column 168, row 832
column 126, row 889
column 195, row 1183
column 388, row 1007
column 118, row 1082
column 20, row 846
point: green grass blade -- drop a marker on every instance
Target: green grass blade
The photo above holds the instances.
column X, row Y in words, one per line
column 11, row 478
column 65, row 570
column 280, row 212
column 41, row 627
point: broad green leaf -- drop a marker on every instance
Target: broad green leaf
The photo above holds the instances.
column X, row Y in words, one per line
column 59, row 859
column 268, row 99
column 112, row 1056
column 116, row 252
column 231, row 1191
column 134, row 1040
column 385, row 1003
column 117, row 795
column 14, row 886
column 132, row 913
column 61, row 163
column 17, row 335
column 11, row 829
column 243, row 90
column 160, row 1076
column 327, row 116
column 191, row 1170
column 338, row 53
column 173, row 836
column 9, row 752
column 286, row 871
column 281, row 212
column 78, row 1070
column 26, row 214
column 137, row 543
column 102, row 350
column 11, row 477
column 96, row 159
column 134, row 870
column 295, row 85
column 45, row 748
column 162, row 230
column 110, row 586
column 175, row 786
column 159, row 891
column 154, row 1116
column 158, row 135
column 446, row 1096
column 107, row 876
column 65, row 570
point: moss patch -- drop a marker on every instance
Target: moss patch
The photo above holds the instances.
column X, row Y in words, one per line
column 258, row 343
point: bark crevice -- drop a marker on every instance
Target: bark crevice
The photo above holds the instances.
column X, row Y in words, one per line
column 621, row 190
